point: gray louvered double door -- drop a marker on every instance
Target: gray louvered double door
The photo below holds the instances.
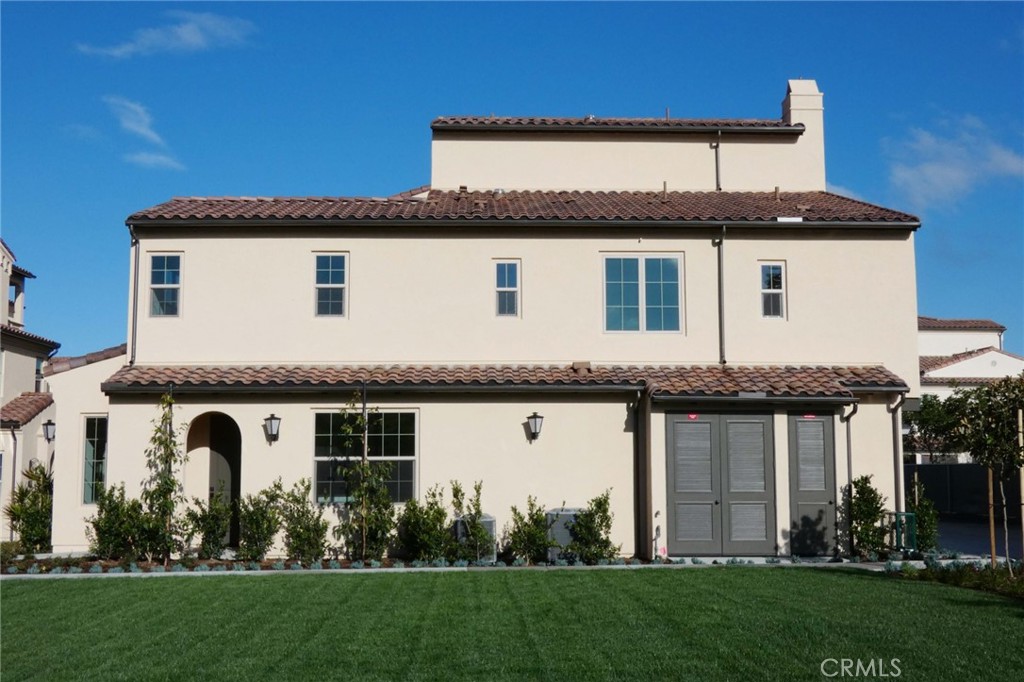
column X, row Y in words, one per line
column 721, row 484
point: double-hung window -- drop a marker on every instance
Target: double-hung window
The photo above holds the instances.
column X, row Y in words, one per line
column 773, row 290
column 642, row 293
column 165, row 286
column 507, row 288
column 391, row 447
column 95, row 472
column 331, row 279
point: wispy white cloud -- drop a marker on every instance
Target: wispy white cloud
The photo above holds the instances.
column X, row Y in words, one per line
column 845, row 191
column 154, row 160
column 931, row 168
column 191, row 32
column 133, row 118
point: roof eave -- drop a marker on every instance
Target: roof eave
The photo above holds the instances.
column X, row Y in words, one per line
column 791, row 130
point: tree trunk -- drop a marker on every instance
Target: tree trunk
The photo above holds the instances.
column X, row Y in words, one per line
column 991, row 519
column 1006, row 528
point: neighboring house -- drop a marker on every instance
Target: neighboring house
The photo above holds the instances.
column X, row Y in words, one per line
column 24, row 405
column 965, row 353
column 695, row 318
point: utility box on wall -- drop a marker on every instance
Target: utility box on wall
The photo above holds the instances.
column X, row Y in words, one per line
column 461, row 533
column 559, row 521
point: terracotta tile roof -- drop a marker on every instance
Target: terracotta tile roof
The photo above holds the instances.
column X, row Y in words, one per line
column 24, row 408
column 964, row 381
column 930, row 363
column 22, row 334
column 527, row 206
column 603, row 124
column 18, row 270
column 938, row 323
column 695, row 381
column 60, row 364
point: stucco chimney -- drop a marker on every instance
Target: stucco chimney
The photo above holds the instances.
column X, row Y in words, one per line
column 803, row 104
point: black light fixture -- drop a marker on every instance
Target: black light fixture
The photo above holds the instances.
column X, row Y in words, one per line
column 535, row 422
column 49, row 430
column 272, row 427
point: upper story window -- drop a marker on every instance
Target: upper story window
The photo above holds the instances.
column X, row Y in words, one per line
column 165, row 286
column 391, row 445
column 507, row 288
column 331, row 281
column 642, row 293
column 773, row 290
column 95, row 473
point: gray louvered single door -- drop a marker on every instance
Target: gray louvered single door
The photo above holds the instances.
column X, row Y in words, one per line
column 748, row 497
column 812, row 485
column 694, row 511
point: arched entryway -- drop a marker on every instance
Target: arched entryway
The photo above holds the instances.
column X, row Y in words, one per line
column 215, row 457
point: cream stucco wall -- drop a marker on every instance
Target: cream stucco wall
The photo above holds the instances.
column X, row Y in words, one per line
column 77, row 395
column 586, row 447
column 992, row 364
column 19, row 373
column 19, row 447
column 413, row 298
column 950, row 342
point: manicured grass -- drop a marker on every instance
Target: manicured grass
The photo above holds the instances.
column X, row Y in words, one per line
column 727, row 623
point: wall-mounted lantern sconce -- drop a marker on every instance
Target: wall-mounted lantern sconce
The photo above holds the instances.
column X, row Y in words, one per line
column 272, row 427
column 49, row 430
column 535, row 422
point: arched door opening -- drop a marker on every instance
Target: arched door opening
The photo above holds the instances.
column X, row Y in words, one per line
column 215, row 458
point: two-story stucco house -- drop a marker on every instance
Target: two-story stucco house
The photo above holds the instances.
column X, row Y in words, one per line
column 962, row 352
column 24, row 405
column 705, row 330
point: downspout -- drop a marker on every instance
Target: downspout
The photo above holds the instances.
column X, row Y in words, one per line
column 642, row 471
column 135, row 292
column 718, row 167
column 897, row 463
column 14, row 473
column 720, row 245
column 849, row 474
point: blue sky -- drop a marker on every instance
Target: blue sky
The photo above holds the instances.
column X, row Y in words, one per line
column 108, row 108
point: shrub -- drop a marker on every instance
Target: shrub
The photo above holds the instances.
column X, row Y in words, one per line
column 162, row 491
column 926, row 517
column 9, row 550
column 367, row 520
column 305, row 530
column 211, row 521
column 30, row 510
column 591, row 532
column 473, row 540
column 867, row 511
column 528, row 539
column 423, row 530
column 258, row 523
column 117, row 530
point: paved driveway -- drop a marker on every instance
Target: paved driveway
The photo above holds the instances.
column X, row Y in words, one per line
column 971, row 537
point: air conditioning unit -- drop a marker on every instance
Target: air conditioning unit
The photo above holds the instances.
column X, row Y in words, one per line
column 558, row 522
column 460, row 531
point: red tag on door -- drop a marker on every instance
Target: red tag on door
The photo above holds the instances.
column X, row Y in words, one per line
column 691, row 416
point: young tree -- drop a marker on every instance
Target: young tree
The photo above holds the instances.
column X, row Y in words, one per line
column 162, row 491
column 986, row 419
column 931, row 428
column 30, row 509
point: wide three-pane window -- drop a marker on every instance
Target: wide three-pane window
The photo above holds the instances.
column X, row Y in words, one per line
column 642, row 293
column 165, row 286
column 331, row 279
column 773, row 290
column 95, row 458
column 390, row 447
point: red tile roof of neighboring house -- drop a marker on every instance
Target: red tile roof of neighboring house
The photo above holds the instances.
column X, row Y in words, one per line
column 930, row 363
column 603, row 124
column 59, row 364
column 22, row 334
column 695, row 381
column 965, row 381
column 938, row 323
column 18, row 270
column 521, row 207
column 24, row 408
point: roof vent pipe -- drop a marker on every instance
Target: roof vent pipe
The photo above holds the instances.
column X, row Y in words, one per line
column 778, row 196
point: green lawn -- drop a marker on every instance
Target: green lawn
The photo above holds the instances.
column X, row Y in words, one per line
column 727, row 623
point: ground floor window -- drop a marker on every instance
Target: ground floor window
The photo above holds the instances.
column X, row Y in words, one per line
column 95, row 458
column 391, row 445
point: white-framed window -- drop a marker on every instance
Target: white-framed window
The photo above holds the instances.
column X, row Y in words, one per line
column 331, row 283
column 165, row 285
column 95, row 470
column 391, row 444
column 643, row 293
column 773, row 290
column 507, row 287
